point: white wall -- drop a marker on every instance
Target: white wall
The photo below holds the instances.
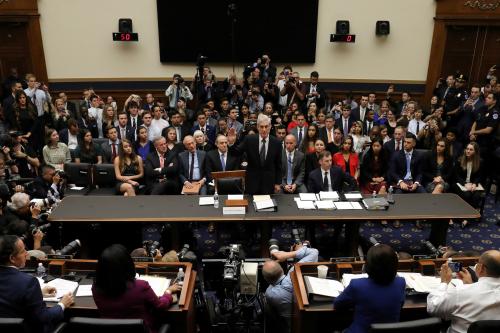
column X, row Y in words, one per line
column 78, row 45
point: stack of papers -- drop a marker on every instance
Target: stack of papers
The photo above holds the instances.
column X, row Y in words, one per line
column 348, row 205
column 206, row 201
column 84, row 290
column 353, row 196
column 158, row 284
column 264, row 203
column 322, row 289
column 301, row 204
column 329, row 196
column 62, row 288
column 264, row 197
column 325, row 204
column 308, row 197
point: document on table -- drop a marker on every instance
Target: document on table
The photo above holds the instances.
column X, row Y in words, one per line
column 325, row 204
column 356, row 205
column 308, row 196
column 235, row 197
column 347, row 278
column 62, row 287
column 329, row 195
column 76, row 188
column 323, row 287
column 353, row 196
column 263, row 204
column 262, row 197
column 84, row 290
column 206, row 201
column 158, row 284
column 343, row 205
column 305, row 204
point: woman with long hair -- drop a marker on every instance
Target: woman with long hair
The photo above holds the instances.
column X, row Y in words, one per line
column 118, row 294
column 374, row 168
column 87, row 152
column 128, row 169
column 358, row 139
column 55, row 153
column 320, row 119
column 143, row 146
column 312, row 112
column 468, row 177
column 23, row 117
column 307, row 145
column 172, row 144
column 347, row 159
column 384, row 134
column 438, row 169
column 391, row 123
column 109, row 117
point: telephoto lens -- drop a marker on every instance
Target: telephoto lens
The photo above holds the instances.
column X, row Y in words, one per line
column 273, row 245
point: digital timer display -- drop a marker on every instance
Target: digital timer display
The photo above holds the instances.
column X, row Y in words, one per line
column 342, row 38
column 125, row 37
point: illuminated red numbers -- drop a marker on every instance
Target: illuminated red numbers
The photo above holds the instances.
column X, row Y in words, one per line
column 125, row 37
column 349, row 38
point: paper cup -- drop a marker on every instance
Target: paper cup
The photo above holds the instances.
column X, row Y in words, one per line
column 322, row 271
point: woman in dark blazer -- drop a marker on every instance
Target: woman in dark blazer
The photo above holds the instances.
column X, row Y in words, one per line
column 172, row 144
column 377, row 298
column 118, row 294
column 438, row 168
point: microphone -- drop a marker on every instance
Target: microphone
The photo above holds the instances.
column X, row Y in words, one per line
column 431, row 247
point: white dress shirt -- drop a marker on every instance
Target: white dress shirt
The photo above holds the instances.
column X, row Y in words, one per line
column 466, row 304
column 412, row 126
column 97, row 114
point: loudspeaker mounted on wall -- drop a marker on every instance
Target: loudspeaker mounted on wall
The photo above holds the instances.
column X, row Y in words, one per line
column 342, row 27
column 382, row 28
column 125, row 25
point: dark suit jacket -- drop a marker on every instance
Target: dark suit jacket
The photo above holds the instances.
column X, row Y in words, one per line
column 64, row 136
column 71, row 107
column 260, row 179
column 356, row 113
column 430, row 168
column 298, row 168
column 90, row 125
column 390, row 147
column 320, row 101
column 398, row 167
column 41, row 188
column 129, row 133
column 107, row 153
column 139, row 121
column 340, row 123
column 311, row 164
column 210, row 132
column 337, row 176
column 184, row 164
column 170, row 170
column 213, row 163
column 21, row 297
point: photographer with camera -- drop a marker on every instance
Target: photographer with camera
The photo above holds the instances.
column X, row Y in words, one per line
column 267, row 70
column 471, row 302
column 24, row 156
column 294, row 89
column 176, row 90
column 49, row 185
column 279, row 294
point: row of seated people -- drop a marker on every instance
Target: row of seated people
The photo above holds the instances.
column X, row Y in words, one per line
column 377, row 298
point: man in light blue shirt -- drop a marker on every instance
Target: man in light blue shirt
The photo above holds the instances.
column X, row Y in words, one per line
column 279, row 294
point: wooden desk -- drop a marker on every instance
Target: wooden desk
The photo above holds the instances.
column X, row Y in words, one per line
column 308, row 317
column 179, row 208
column 181, row 314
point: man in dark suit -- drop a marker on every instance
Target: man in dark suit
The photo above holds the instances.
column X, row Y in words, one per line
column 369, row 122
column 407, row 168
column 264, row 158
column 396, row 143
column 134, row 120
column 9, row 101
column 70, row 136
column 112, row 148
column 162, row 169
column 192, row 166
column 220, row 159
column 327, row 134
column 331, row 178
column 20, row 293
column 345, row 122
column 314, row 93
column 47, row 185
column 123, row 129
column 70, row 106
column 180, row 129
column 359, row 113
column 293, row 164
column 300, row 131
column 202, row 125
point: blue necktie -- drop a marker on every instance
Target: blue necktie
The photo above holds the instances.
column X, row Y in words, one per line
column 408, row 169
column 222, row 162
column 289, row 171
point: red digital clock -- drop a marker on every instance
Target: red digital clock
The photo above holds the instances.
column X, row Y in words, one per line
column 125, row 36
column 342, row 38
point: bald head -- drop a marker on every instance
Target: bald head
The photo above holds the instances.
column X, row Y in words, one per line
column 491, row 262
column 272, row 271
column 290, row 143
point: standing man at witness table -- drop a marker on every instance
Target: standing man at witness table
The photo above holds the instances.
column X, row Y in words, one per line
column 118, row 294
column 263, row 156
column 20, row 293
column 377, row 298
column 471, row 302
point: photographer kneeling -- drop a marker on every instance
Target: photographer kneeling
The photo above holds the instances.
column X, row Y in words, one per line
column 279, row 294
column 48, row 186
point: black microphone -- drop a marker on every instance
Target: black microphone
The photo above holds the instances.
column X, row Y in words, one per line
column 431, row 247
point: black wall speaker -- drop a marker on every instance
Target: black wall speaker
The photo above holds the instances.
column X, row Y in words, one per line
column 342, row 27
column 125, row 25
column 382, row 28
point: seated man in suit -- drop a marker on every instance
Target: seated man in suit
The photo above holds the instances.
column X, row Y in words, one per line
column 202, row 125
column 220, row 159
column 123, row 129
column 407, row 168
column 396, row 143
column 110, row 149
column 328, row 177
column 346, row 120
column 70, row 135
column 293, row 163
column 162, row 169
column 192, row 166
column 20, row 293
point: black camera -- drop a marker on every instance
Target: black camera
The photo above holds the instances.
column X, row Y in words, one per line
column 43, row 228
column 291, row 79
column 151, row 247
column 200, row 62
column 62, row 174
column 297, row 238
column 71, row 248
column 273, row 245
column 234, row 254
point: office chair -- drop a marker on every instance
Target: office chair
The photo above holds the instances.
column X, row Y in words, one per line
column 229, row 182
column 484, row 326
column 427, row 325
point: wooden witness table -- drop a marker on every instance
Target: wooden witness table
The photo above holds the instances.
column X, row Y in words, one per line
column 181, row 314
column 437, row 209
column 314, row 317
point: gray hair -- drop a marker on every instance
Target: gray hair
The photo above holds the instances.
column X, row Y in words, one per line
column 198, row 133
column 19, row 200
column 263, row 119
column 157, row 139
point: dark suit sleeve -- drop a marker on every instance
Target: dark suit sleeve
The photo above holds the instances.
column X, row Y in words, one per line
column 311, row 183
column 419, row 175
column 182, row 171
column 299, row 180
column 209, row 167
column 36, row 308
column 277, row 167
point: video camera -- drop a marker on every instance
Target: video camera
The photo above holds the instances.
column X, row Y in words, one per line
column 151, row 247
column 233, row 255
column 297, row 238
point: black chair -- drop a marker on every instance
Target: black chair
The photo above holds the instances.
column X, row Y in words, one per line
column 104, row 180
column 484, row 326
column 230, row 182
column 100, row 325
column 427, row 325
column 79, row 174
column 12, row 325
